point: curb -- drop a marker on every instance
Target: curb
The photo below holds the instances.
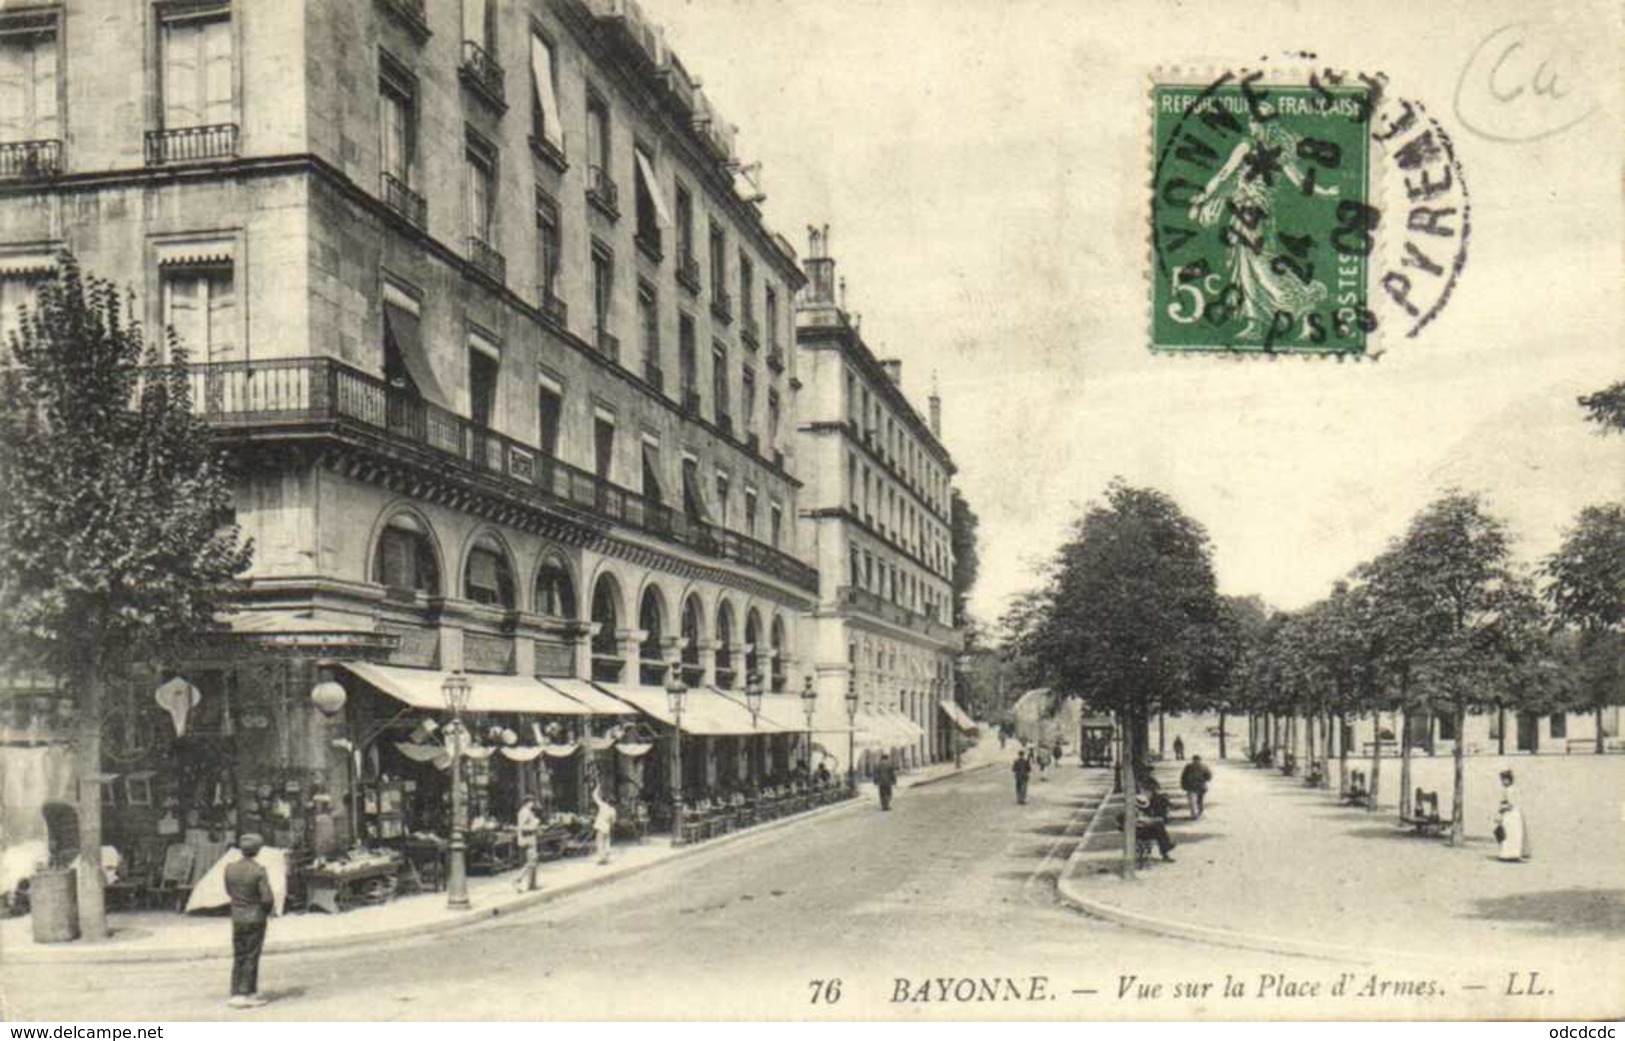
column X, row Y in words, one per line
column 106, row 954
column 1071, row 893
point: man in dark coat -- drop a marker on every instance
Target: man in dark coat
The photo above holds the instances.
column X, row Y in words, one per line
column 885, row 780
column 1194, row 779
column 1023, row 769
column 249, row 887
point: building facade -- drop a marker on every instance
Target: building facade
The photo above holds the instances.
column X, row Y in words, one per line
column 472, row 292
column 876, row 516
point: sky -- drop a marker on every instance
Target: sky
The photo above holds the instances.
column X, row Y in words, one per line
column 984, row 169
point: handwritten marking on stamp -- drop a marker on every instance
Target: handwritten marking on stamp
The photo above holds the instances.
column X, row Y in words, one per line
column 1522, row 83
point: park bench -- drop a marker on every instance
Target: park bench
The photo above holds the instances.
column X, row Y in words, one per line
column 1390, row 747
column 1143, row 844
column 1425, row 814
column 1289, row 764
column 1358, row 793
column 1316, row 774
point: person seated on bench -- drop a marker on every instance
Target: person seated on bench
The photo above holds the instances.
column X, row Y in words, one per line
column 1425, row 813
column 1149, row 824
column 1357, row 792
column 1316, row 774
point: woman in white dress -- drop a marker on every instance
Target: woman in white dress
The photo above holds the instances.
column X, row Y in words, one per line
column 1510, row 827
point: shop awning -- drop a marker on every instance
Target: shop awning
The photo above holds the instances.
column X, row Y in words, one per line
column 422, row 689
column 596, row 701
column 767, row 722
column 952, row 710
column 705, row 712
column 787, row 711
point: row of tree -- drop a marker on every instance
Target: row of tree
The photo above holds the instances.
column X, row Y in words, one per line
column 1444, row 621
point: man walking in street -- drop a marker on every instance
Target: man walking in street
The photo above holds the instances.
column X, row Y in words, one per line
column 249, row 887
column 1194, row 779
column 1023, row 771
column 1179, row 748
column 885, row 779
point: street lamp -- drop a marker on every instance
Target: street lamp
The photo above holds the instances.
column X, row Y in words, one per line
column 851, row 725
column 675, row 693
column 753, row 696
column 456, row 690
column 809, row 702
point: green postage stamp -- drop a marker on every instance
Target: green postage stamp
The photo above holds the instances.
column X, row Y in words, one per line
column 1262, row 224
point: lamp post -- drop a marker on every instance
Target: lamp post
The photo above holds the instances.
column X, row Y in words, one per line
column 675, row 693
column 329, row 697
column 809, row 703
column 851, row 724
column 456, row 690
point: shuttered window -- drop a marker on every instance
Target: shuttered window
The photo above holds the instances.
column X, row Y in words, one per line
column 197, row 70
column 200, row 305
column 28, row 87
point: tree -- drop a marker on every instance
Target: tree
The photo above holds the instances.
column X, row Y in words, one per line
column 1585, row 585
column 962, row 540
column 1234, row 641
column 1607, row 408
column 1131, row 596
column 1451, row 583
column 112, row 496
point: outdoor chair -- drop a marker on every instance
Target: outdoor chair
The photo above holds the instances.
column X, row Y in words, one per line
column 174, row 878
column 1424, row 816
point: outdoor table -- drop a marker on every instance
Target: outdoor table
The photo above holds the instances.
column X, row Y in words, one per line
column 336, row 888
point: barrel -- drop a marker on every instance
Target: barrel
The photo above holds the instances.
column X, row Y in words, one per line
column 54, row 902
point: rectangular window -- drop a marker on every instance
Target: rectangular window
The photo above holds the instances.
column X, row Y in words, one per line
column 685, row 223
column 772, row 438
column 603, row 443
column 750, row 512
column 200, row 304
column 649, row 327
column 719, row 380
column 687, row 355
column 857, row 568
column 28, row 86
column 747, row 286
column 545, row 124
column 723, row 486
column 652, row 490
column 770, row 318
column 549, row 249
column 719, row 262
column 747, row 400
column 775, row 524
column 195, row 55
column 481, row 164
column 549, row 411
column 397, row 103
column 406, row 363
column 597, row 136
column 479, row 24
column 483, row 368
column 603, row 290
column 852, row 480
column 1560, row 725
column 651, row 206
column 16, row 292
column 693, row 498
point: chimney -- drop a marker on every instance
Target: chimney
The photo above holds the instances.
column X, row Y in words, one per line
column 936, row 408
column 820, row 268
column 893, row 368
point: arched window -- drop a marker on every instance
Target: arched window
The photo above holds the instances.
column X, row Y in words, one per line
column 405, row 561
column 780, row 652
column 753, row 640
column 487, row 576
column 693, row 672
column 553, row 594
column 725, row 639
column 651, row 619
column 606, row 658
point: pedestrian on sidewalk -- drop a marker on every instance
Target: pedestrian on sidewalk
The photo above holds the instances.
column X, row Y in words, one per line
column 529, row 826
column 249, row 887
column 885, row 779
column 1179, row 748
column 1023, row 769
column 603, row 825
column 1042, row 755
column 1194, row 779
column 1511, row 831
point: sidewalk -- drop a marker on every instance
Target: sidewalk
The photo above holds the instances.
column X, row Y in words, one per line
column 1281, row 867
column 157, row 936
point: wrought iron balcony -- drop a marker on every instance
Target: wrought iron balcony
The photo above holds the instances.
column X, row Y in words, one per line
column 609, row 344
column 251, row 401
column 722, row 304
column 858, row 598
column 191, row 144
column 552, row 307
column 483, row 75
column 602, row 192
column 410, row 13
column 750, row 331
column 486, row 260
column 688, row 272
column 404, row 201
column 30, row 160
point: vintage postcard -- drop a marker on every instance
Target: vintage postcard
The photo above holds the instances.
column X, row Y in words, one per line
column 811, row 510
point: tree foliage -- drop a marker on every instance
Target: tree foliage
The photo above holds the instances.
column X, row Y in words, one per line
column 962, row 535
column 1585, row 586
column 1606, row 408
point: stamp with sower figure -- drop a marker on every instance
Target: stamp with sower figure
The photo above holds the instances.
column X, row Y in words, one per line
column 1268, row 225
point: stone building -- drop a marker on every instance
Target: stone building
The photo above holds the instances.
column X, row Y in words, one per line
column 474, row 293
column 876, row 517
